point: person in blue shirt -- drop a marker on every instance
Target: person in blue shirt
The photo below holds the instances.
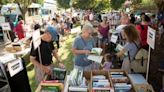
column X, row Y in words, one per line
column 82, row 47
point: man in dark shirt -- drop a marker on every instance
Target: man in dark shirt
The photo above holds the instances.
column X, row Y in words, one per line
column 43, row 66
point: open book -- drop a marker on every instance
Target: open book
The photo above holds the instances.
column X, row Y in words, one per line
column 119, row 48
column 95, row 55
column 96, row 51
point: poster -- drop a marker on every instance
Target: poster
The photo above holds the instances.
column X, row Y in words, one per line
column 36, row 38
column 15, row 67
column 151, row 37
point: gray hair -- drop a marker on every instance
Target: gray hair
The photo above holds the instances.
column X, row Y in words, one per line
column 87, row 28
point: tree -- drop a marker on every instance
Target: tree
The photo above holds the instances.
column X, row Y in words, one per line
column 63, row 4
column 3, row 2
column 116, row 4
column 102, row 5
column 160, row 4
column 23, row 4
column 84, row 4
column 95, row 5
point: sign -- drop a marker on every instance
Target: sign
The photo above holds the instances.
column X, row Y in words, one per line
column 36, row 38
column 114, row 38
column 6, row 26
column 15, row 67
column 151, row 37
column 2, row 19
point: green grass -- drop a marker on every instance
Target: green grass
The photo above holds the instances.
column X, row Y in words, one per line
column 65, row 55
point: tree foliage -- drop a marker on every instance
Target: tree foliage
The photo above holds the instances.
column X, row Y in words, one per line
column 83, row 4
column 95, row 5
column 63, row 4
column 102, row 5
column 116, row 4
column 160, row 4
column 3, row 2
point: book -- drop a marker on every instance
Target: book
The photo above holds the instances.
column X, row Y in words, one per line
column 101, row 84
column 78, row 89
column 50, row 89
column 98, row 77
column 59, row 74
column 115, row 73
column 101, row 88
column 119, row 48
column 97, row 59
column 96, row 51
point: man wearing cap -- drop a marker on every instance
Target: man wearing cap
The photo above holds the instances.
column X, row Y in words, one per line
column 47, row 49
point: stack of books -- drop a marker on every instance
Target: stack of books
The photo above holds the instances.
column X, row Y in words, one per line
column 51, row 86
column 100, row 84
column 77, row 82
column 121, row 82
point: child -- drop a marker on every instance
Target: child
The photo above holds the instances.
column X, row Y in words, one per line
column 108, row 63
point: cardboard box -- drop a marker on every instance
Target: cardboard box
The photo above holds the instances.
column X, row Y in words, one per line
column 47, row 82
column 106, row 74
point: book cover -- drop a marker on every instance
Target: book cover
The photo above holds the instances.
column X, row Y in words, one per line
column 59, row 74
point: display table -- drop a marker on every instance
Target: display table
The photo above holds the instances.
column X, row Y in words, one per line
column 20, row 48
column 116, row 80
column 13, row 74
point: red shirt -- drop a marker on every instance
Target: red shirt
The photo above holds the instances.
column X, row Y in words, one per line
column 143, row 29
column 19, row 30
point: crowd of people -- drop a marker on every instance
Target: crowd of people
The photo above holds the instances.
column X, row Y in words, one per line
column 95, row 32
column 132, row 35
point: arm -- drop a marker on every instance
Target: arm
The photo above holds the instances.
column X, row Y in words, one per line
column 75, row 51
column 54, row 52
column 121, row 53
column 42, row 67
column 103, row 65
column 35, row 62
column 57, row 58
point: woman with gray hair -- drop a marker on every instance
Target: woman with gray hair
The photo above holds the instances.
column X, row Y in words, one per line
column 82, row 47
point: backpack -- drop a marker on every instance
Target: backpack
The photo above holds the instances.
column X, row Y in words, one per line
column 139, row 64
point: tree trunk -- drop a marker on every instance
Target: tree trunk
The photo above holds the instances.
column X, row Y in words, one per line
column 23, row 10
column 160, row 4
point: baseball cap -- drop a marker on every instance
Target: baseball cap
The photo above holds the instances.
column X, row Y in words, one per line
column 53, row 32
